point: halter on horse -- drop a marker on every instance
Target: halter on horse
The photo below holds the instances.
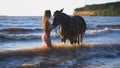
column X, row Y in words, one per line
column 71, row 28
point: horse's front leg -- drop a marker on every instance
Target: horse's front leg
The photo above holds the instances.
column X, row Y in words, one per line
column 63, row 40
column 71, row 40
column 75, row 40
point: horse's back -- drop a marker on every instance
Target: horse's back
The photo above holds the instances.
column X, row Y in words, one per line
column 80, row 23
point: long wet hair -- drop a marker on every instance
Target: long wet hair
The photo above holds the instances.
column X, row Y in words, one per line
column 45, row 20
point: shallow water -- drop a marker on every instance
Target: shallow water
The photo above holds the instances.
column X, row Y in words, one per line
column 63, row 56
column 17, row 32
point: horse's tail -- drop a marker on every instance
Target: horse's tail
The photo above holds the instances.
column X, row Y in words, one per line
column 78, row 33
column 80, row 37
column 81, row 29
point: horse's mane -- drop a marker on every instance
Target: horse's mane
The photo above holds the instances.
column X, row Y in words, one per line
column 65, row 15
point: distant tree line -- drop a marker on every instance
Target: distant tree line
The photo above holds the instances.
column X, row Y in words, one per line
column 107, row 9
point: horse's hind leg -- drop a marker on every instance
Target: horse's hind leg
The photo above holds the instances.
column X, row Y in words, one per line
column 75, row 40
column 71, row 41
column 80, row 38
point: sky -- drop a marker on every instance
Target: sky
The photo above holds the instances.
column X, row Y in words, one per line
column 37, row 7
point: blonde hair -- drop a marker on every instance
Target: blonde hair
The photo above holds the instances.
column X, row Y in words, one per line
column 45, row 20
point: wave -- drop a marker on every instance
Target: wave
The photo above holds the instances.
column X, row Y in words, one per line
column 99, row 32
column 13, row 37
column 61, row 55
column 19, row 30
column 101, row 26
column 62, row 47
column 108, row 25
column 21, row 35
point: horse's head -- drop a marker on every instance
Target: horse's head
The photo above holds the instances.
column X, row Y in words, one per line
column 57, row 18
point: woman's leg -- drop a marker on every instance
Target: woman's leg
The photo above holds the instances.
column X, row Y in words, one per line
column 48, row 41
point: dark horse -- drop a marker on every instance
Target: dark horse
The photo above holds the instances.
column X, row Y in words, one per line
column 71, row 28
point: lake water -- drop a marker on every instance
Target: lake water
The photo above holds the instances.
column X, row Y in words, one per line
column 17, row 32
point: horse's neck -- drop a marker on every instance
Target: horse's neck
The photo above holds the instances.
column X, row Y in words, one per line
column 67, row 18
column 65, row 22
column 64, row 28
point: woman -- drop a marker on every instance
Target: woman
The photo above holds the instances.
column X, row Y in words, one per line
column 47, row 27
